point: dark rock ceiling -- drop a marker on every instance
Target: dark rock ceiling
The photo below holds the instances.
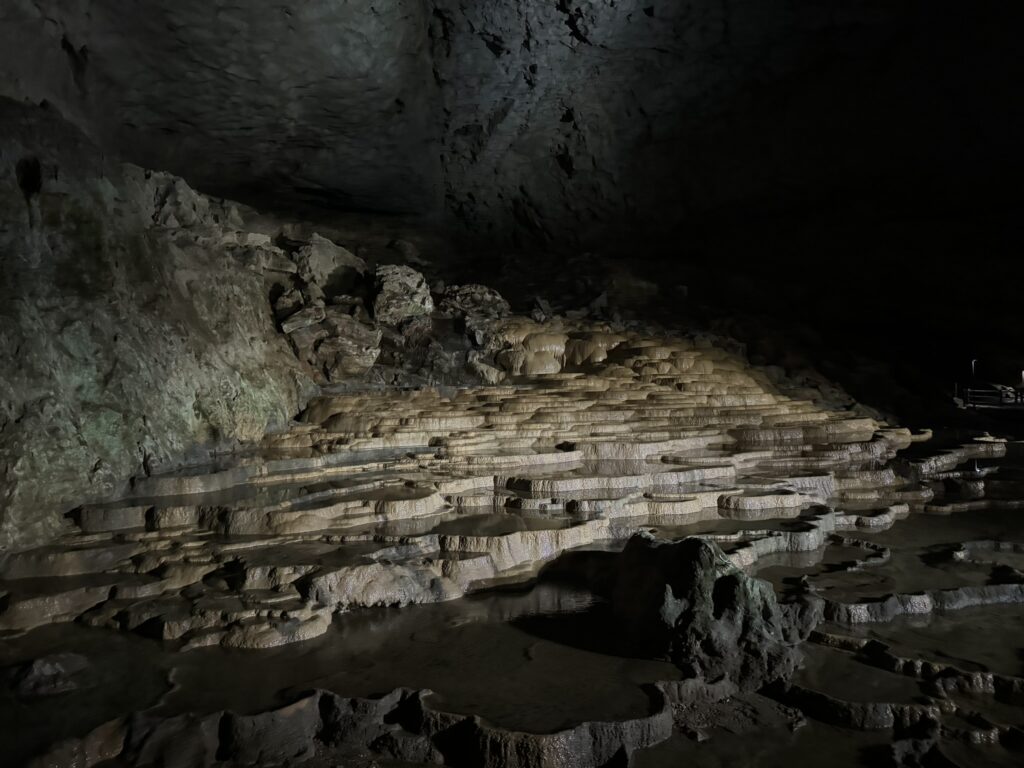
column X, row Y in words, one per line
column 549, row 121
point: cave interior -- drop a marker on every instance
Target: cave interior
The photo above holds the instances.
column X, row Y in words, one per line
column 533, row 383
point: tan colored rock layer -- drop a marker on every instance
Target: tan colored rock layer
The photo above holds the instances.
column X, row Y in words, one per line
column 386, row 498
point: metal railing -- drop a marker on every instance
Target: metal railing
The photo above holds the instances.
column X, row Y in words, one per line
column 988, row 397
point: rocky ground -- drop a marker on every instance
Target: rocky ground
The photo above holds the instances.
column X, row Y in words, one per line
column 275, row 495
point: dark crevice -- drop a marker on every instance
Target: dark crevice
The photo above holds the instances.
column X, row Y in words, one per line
column 444, row 23
column 225, row 738
column 619, row 760
column 29, row 172
column 79, row 60
column 494, row 44
column 574, row 21
column 330, row 732
column 565, row 161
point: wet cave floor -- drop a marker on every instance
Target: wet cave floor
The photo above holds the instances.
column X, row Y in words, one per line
column 222, row 591
column 540, row 658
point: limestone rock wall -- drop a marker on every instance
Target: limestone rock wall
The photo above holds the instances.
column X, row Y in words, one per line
column 329, row 101
column 583, row 119
column 554, row 120
column 134, row 325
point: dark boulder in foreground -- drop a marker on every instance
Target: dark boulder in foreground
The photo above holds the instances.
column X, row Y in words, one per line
column 48, row 675
column 322, row 728
column 686, row 601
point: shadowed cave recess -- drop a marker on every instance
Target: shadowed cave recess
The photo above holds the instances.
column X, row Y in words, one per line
column 534, row 383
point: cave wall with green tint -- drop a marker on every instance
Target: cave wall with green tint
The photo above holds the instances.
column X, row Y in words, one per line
column 135, row 335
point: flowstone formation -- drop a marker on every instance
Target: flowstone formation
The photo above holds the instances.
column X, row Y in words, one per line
column 384, row 497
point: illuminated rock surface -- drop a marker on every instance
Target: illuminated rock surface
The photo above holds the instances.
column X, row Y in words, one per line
column 318, row 542
column 488, row 538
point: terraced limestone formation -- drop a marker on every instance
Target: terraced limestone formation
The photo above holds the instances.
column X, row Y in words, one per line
column 391, row 498
column 596, row 436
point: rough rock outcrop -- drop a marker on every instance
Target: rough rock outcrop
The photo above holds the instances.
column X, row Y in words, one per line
column 48, row 675
column 328, row 269
column 134, row 325
column 687, row 601
column 402, row 294
column 401, row 726
column 319, row 300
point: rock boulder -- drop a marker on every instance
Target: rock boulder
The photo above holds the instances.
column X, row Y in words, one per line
column 402, row 293
column 684, row 600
